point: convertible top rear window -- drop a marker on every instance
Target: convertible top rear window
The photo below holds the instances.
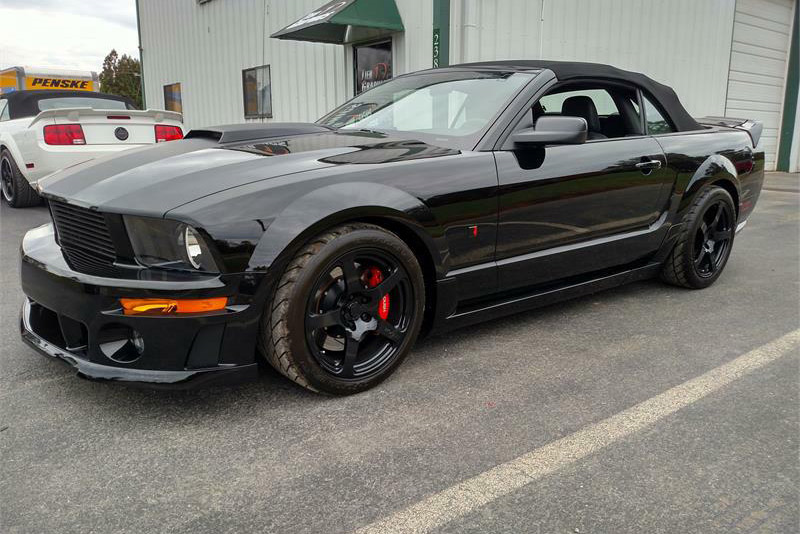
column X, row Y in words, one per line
column 23, row 104
column 80, row 102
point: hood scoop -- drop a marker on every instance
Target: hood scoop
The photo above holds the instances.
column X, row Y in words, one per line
column 237, row 133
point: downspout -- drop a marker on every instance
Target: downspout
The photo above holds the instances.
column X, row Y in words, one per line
column 789, row 117
column 141, row 56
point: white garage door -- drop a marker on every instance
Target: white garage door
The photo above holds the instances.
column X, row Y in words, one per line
column 759, row 53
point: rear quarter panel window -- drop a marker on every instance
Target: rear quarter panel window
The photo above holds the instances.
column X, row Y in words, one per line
column 656, row 122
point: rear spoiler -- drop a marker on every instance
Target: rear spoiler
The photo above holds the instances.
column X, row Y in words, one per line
column 753, row 128
column 74, row 114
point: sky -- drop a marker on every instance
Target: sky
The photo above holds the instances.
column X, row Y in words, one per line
column 71, row 34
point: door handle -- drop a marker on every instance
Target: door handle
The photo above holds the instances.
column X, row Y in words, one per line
column 649, row 165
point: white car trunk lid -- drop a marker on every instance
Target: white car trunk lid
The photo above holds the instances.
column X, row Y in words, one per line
column 111, row 127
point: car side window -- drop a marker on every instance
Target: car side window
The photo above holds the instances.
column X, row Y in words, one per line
column 553, row 103
column 5, row 114
column 656, row 123
column 607, row 110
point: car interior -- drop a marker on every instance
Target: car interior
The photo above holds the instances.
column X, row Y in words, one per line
column 610, row 111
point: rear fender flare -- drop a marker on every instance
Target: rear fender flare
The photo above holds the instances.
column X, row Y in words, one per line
column 715, row 169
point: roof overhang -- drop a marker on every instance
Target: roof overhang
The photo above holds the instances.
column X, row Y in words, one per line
column 345, row 21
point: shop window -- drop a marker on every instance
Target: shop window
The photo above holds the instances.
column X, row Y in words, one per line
column 257, row 87
column 373, row 65
column 172, row 97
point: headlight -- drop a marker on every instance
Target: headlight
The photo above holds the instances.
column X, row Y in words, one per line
column 194, row 251
column 169, row 244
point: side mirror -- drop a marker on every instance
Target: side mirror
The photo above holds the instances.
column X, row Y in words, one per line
column 555, row 130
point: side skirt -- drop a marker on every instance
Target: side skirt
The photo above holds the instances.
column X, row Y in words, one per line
column 544, row 297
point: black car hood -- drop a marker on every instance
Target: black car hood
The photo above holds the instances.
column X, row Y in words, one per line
column 155, row 179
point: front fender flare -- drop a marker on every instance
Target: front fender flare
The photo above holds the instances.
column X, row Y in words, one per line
column 335, row 204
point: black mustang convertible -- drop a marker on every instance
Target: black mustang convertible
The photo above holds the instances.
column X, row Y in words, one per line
column 435, row 200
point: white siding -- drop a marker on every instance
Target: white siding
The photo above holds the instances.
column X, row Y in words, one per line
column 413, row 49
column 759, row 55
column 483, row 30
column 206, row 46
column 683, row 43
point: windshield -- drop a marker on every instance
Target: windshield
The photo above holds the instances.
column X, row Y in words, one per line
column 454, row 106
column 62, row 102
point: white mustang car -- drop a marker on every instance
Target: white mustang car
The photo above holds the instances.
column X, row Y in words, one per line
column 45, row 131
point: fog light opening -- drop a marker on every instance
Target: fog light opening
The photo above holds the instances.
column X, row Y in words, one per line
column 120, row 343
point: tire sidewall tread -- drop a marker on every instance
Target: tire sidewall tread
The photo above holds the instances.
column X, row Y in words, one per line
column 24, row 194
column 283, row 340
column 678, row 269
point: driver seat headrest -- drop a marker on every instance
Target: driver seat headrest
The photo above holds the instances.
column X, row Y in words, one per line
column 582, row 106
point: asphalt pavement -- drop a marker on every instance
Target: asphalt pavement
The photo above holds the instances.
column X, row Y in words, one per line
column 83, row 457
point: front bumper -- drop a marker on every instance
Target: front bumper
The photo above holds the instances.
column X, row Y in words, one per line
column 77, row 319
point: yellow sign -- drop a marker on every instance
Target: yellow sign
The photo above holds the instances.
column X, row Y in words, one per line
column 8, row 82
column 42, row 82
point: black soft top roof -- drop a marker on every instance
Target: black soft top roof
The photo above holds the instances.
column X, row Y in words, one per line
column 23, row 104
column 572, row 70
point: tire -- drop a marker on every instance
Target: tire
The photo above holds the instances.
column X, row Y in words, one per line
column 705, row 242
column 16, row 190
column 346, row 311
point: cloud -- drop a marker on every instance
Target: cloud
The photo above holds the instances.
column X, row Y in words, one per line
column 122, row 12
column 67, row 34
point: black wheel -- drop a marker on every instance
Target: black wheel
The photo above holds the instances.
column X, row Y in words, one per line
column 705, row 243
column 346, row 312
column 16, row 190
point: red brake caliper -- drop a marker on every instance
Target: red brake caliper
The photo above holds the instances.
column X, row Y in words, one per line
column 375, row 277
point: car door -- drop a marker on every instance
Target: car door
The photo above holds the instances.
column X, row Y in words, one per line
column 569, row 210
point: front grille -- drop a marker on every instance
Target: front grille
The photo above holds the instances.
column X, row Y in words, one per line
column 85, row 239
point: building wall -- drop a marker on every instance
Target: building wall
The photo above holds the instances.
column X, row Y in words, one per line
column 683, row 43
column 206, row 46
column 759, row 60
column 413, row 49
column 723, row 57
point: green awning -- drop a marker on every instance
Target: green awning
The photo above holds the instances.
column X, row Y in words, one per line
column 345, row 21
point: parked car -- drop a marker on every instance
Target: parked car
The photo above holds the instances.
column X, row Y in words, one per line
column 42, row 131
column 438, row 199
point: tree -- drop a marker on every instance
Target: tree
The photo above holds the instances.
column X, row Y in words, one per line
column 122, row 76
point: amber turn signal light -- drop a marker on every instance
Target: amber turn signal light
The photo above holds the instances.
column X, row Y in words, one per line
column 171, row 306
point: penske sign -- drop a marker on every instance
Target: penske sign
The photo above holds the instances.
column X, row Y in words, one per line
column 38, row 82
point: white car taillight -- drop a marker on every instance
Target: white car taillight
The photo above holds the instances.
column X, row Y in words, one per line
column 64, row 134
column 167, row 133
